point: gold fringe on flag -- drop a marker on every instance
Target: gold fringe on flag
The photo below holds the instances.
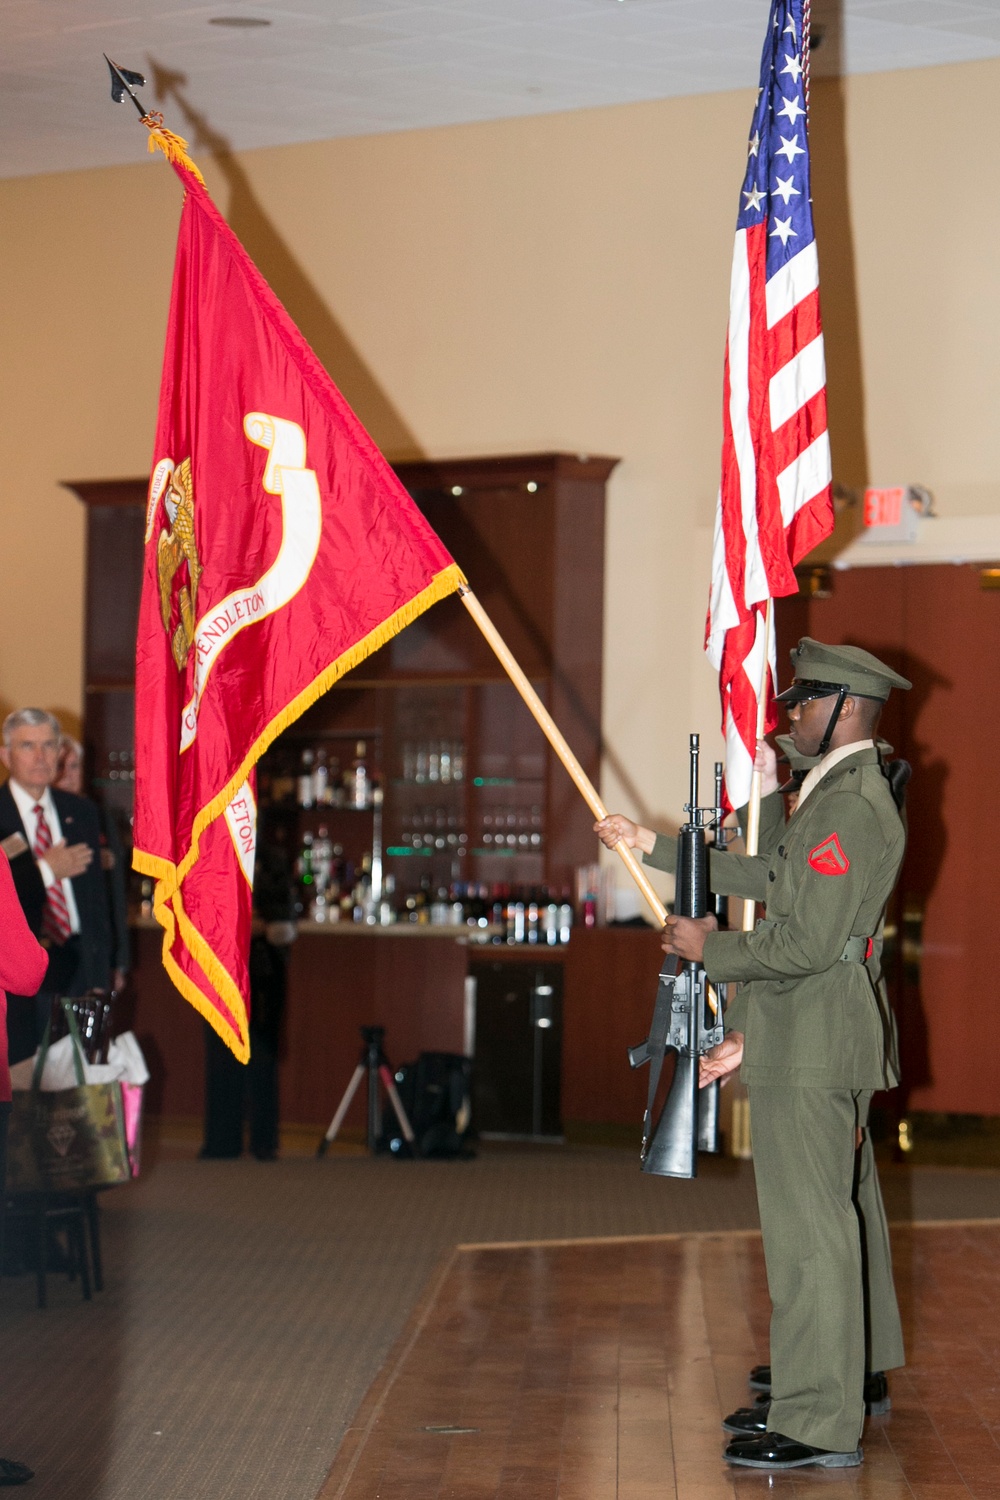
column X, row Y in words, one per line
column 174, row 147
column 168, row 904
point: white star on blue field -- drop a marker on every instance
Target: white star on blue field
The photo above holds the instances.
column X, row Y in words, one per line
column 778, row 156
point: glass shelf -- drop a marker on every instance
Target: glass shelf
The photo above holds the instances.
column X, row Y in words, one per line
column 318, row 809
column 492, row 781
column 423, row 786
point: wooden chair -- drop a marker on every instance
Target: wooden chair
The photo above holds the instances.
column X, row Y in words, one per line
column 41, row 1217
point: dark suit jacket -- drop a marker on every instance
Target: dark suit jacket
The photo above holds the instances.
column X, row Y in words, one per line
column 78, row 817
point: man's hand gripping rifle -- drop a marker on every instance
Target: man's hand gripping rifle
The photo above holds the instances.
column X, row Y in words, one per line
column 687, row 1017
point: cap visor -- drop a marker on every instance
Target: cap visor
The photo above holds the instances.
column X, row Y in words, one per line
column 801, row 692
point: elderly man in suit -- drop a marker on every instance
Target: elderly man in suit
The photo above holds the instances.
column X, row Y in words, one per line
column 52, row 840
column 69, row 778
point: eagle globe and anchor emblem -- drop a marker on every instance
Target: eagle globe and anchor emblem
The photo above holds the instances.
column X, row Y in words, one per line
column 199, row 642
column 178, row 567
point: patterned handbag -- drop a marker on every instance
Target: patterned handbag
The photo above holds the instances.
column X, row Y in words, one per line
column 68, row 1140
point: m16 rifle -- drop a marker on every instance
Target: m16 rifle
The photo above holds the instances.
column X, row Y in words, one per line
column 687, row 1017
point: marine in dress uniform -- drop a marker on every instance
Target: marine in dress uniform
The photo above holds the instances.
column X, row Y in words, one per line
column 812, row 1029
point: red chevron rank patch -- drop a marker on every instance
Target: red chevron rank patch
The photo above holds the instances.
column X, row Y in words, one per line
column 829, row 858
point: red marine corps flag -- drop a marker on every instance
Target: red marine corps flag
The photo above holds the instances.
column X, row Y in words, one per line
column 280, row 551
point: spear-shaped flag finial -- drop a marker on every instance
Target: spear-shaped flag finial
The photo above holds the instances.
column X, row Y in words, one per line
column 174, row 147
column 123, row 81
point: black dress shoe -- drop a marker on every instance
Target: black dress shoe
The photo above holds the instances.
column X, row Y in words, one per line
column 14, row 1473
column 748, row 1421
column 772, row 1450
column 877, row 1400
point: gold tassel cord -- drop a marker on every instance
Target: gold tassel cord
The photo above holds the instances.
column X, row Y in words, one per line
column 174, row 147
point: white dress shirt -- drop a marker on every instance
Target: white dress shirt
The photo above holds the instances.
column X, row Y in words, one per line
column 831, row 759
column 26, row 804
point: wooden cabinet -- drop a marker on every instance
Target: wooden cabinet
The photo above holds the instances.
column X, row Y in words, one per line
column 529, row 534
column 116, row 514
column 528, row 531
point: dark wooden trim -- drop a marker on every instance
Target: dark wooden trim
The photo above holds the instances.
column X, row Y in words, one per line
column 503, row 471
column 109, row 491
column 473, row 473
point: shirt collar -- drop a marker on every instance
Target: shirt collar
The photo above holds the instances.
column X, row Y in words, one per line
column 26, row 804
column 831, row 758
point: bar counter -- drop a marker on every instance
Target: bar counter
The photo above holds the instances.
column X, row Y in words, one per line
column 411, row 979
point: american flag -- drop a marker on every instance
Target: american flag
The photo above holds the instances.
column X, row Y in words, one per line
column 775, row 498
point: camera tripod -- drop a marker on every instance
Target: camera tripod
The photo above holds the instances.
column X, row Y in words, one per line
column 375, row 1064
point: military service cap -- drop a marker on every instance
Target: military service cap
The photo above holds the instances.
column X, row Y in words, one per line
column 822, row 670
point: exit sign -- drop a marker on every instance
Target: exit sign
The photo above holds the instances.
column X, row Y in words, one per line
column 889, row 516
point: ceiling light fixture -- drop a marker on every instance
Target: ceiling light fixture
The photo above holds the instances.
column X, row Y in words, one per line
column 243, row 23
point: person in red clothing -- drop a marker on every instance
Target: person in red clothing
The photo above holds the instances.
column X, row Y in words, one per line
column 23, row 962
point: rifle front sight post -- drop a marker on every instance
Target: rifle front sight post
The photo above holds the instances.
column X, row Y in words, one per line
column 694, row 743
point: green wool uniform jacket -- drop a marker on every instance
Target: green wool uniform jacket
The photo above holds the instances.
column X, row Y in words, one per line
column 810, row 1016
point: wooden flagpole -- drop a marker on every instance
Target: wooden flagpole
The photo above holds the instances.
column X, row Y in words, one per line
column 552, row 733
column 753, row 811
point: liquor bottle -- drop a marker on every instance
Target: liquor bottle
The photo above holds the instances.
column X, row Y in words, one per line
column 441, row 908
column 475, row 906
column 364, row 905
column 322, row 862
column 421, row 762
column 387, row 906
column 320, row 779
column 458, row 761
column 515, row 920
column 356, row 780
column 498, row 915
column 305, row 781
column 550, row 920
column 304, row 871
column 565, row 916
column 531, row 922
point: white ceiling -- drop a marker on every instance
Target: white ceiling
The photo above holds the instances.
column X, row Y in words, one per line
column 326, row 68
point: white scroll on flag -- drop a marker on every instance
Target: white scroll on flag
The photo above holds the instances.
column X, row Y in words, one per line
column 775, row 497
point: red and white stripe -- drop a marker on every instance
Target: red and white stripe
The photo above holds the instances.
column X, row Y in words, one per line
column 775, row 498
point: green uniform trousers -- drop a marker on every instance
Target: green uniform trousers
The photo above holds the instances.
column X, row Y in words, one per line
column 829, row 1272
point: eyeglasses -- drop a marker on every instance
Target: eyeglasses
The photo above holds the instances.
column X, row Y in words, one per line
column 805, row 692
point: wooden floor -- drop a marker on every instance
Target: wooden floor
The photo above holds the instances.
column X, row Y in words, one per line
column 592, row 1370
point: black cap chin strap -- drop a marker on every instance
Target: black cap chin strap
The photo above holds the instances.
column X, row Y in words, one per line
column 824, row 743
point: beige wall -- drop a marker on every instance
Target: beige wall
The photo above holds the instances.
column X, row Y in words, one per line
column 558, row 282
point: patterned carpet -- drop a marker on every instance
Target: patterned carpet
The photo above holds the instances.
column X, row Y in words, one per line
column 249, row 1306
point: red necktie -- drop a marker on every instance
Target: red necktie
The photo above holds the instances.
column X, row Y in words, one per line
column 55, row 918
